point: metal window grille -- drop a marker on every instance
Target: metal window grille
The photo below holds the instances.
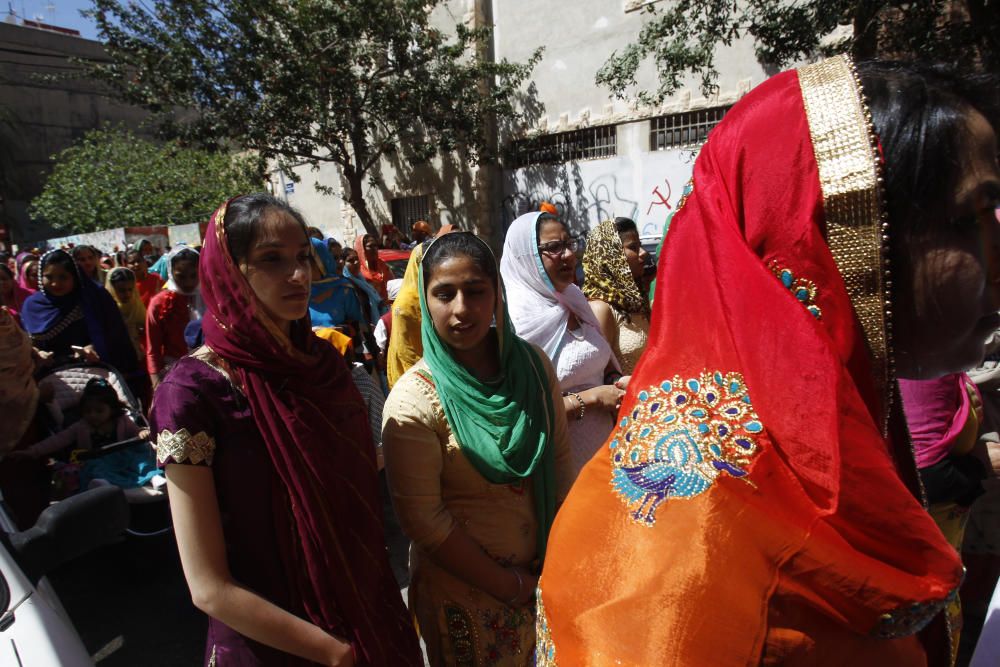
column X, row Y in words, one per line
column 586, row 144
column 407, row 210
column 684, row 130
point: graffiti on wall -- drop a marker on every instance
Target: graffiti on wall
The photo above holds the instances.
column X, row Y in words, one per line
column 585, row 193
column 582, row 200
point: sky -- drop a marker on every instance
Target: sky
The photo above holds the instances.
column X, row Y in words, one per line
column 63, row 13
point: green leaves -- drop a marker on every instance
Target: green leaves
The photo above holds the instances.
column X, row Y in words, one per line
column 682, row 35
column 111, row 178
column 310, row 81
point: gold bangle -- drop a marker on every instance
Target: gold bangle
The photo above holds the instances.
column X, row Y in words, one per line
column 520, row 587
column 583, row 406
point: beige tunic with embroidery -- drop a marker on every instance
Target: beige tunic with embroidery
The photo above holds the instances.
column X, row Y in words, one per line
column 633, row 334
column 435, row 490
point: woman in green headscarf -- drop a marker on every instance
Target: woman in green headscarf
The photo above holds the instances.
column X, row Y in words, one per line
column 478, row 461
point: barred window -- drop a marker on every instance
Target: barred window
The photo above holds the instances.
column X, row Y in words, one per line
column 407, row 210
column 684, row 130
column 585, row 144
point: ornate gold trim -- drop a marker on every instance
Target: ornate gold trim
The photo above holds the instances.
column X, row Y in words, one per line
column 846, row 150
column 182, row 447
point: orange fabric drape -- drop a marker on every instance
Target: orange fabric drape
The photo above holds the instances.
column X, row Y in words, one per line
column 747, row 509
column 379, row 274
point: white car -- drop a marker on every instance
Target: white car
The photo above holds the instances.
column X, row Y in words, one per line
column 35, row 630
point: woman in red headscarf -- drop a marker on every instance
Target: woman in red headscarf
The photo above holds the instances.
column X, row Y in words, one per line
column 269, row 455
column 758, row 501
column 374, row 270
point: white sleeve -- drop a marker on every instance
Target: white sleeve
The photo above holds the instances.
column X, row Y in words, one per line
column 381, row 336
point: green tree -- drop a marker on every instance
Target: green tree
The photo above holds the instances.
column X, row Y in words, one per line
column 312, row 81
column 111, row 178
column 682, row 35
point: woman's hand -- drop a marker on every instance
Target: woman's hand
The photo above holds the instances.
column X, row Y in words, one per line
column 604, row 397
column 342, row 655
column 42, row 358
column 87, row 353
column 975, row 402
column 993, row 451
column 622, row 382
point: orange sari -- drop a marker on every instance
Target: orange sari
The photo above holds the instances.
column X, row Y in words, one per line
column 758, row 501
column 377, row 275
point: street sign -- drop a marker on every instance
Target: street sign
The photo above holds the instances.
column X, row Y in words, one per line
column 289, row 188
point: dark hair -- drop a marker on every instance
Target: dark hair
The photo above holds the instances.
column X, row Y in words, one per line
column 459, row 244
column 134, row 253
column 333, row 242
column 349, row 251
column 315, row 232
column 625, row 225
column 99, row 389
column 121, row 274
column 546, row 217
column 4, row 267
column 921, row 116
column 4, row 256
column 243, row 216
column 63, row 259
column 75, row 252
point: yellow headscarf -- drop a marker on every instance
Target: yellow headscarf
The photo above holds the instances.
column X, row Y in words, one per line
column 133, row 311
column 405, row 346
column 18, row 392
column 340, row 341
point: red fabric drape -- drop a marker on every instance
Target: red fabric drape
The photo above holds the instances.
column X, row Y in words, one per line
column 795, row 545
column 315, row 425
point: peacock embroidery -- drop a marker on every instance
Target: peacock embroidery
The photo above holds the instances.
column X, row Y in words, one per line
column 680, row 436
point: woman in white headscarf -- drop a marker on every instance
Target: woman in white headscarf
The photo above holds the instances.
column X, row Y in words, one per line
column 549, row 310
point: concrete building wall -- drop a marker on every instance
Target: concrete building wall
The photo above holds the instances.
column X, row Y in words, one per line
column 637, row 182
column 47, row 116
column 578, row 38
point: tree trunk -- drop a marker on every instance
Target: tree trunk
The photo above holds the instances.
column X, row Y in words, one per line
column 989, row 46
column 356, row 198
column 866, row 29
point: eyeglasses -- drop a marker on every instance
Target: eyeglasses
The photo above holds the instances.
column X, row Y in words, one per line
column 557, row 248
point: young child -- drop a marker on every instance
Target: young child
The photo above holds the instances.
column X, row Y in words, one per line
column 102, row 422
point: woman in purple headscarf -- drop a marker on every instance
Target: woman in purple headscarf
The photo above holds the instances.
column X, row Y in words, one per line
column 70, row 315
column 273, row 483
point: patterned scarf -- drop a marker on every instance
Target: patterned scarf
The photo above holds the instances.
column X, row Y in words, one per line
column 607, row 276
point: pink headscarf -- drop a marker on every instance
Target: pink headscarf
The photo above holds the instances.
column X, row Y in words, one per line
column 22, row 274
column 936, row 412
column 315, row 426
column 19, row 293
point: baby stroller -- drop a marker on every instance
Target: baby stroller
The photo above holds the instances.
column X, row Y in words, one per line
column 149, row 509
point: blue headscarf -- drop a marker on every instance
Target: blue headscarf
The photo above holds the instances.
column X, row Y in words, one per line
column 332, row 300
column 374, row 300
column 44, row 313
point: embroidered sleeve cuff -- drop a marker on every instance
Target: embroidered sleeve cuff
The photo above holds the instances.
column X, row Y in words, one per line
column 182, row 447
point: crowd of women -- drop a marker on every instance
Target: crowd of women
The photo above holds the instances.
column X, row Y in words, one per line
column 727, row 477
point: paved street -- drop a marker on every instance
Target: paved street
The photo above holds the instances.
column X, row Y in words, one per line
column 131, row 605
